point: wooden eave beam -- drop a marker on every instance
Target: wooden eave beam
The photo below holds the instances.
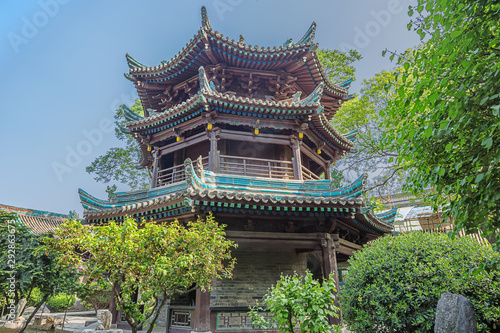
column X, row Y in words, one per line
column 192, row 140
column 169, row 133
column 250, row 122
column 306, row 150
column 265, row 138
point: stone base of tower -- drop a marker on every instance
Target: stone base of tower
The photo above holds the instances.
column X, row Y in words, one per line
column 225, row 308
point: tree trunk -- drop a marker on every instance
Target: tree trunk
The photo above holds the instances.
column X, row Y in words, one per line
column 152, row 324
column 27, row 299
column 34, row 312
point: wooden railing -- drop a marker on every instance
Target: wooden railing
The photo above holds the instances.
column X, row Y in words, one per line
column 308, row 174
column 255, row 167
column 243, row 166
column 176, row 173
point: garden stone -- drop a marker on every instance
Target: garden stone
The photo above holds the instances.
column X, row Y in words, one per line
column 105, row 317
column 455, row 314
column 19, row 308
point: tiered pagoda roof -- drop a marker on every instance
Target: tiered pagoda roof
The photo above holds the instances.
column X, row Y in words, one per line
column 221, row 87
column 272, row 81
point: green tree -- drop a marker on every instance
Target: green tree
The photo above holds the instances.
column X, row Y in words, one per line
column 369, row 155
column 156, row 261
column 25, row 267
column 446, row 114
column 120, row 163
column 298, row 301
column 338, row 65
column 394, row 284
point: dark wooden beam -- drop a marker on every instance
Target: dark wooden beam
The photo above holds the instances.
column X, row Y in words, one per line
column 265, row 138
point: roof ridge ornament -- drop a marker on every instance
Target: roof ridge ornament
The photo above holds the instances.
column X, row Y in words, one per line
column 205, row 22
column 132, row 63
column 130, row 115
column 288, row 42
column 205, row 85
column 309, row 36
column 315, row 96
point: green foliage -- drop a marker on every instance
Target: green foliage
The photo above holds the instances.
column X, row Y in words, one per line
column 158, row 260
column 446, row 113
column 21, row 258
column 60, row 302
column 95, row 295
column 35, row 297
column 119, row 163
column 369, row 155
column 394, row 284
column 298, row 301
column 338, row 65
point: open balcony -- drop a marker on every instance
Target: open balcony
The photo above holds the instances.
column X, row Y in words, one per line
column 238, row 166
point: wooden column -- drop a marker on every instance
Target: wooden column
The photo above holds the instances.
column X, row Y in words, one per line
column 202, row 312
column 327, row 171
column 213, row 155
column 155, row 169
column 330, row 267
column 297, row 160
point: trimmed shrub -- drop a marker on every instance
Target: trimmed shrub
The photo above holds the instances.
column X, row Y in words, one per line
column 394, row 284
column 60, row 302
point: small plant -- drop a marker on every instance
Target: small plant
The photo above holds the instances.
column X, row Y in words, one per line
column 297, row 302
column 60, row 302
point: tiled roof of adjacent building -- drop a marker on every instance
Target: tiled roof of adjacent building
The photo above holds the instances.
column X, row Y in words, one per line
column 38, row 221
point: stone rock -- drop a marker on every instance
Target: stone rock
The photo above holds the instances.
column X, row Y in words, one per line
column 90, row 321
column 12, row 326
column 455, row 314
column 19, row 307
column 102, row 331
column 105, row 317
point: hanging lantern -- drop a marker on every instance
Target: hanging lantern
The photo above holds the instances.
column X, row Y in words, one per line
column 318, row 151
column 209, row 127
column 256, row 131
column 333, row 163
column 301, row 135
column 149, row 148
column 178, row 139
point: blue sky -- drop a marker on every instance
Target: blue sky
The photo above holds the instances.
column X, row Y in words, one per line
column 62, row 65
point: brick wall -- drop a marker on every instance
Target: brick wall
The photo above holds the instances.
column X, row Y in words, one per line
column 256, row 270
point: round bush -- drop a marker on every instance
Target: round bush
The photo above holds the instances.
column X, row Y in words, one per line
column 394, row 284
column 60, row 302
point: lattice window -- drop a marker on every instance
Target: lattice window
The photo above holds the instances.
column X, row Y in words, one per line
column 180, row 318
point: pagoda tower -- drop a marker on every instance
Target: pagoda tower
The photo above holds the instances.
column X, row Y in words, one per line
column 244, row 133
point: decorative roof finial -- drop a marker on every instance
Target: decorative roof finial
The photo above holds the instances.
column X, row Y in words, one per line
column 315, row 96
column 132, row 63
column 205, row 22
column 309, row 36
column 205, row 85
column 242, row 39
column 288, row 42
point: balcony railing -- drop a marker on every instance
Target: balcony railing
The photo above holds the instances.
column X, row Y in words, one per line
column 308, row 174
column 240, row 166
column 255, row 167
column 176, row 173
